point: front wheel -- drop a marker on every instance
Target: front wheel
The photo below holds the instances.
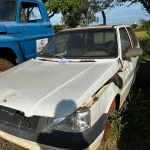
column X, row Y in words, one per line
column 5, row 65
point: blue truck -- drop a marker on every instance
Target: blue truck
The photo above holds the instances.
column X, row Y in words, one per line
column 25, row 28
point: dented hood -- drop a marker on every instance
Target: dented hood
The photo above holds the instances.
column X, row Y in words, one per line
column 49, row 89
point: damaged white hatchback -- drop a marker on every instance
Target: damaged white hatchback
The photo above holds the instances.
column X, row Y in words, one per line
column 61, row 99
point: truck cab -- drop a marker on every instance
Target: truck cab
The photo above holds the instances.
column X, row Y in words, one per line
column 25, row 29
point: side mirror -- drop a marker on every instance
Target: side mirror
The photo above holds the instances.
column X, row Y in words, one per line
column 133, row 52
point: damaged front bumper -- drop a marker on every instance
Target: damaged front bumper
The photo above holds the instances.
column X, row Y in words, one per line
column 37, row 136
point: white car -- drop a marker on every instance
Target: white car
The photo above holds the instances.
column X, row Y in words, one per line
column 61, row 99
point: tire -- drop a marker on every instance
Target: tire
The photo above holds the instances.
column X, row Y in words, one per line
column 108, row 129
column 5, row 65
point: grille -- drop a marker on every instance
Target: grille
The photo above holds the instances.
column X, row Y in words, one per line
column 17, row 118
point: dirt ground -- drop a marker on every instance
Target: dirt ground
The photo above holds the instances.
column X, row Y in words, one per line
column 5, row 145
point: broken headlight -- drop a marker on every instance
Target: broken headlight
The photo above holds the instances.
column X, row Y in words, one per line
column 79, row 121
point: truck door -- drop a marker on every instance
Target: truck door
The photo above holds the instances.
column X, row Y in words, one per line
column 35, row 30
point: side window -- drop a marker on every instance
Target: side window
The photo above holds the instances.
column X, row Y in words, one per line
column 30, row 12
column 125, row 41
column 133, row 37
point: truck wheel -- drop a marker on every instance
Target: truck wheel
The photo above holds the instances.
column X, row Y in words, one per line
column 5, row 64
column 108, row 128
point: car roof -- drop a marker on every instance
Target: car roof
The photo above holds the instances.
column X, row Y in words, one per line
column 95, row 27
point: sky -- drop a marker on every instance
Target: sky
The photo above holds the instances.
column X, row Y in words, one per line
column 118, row 15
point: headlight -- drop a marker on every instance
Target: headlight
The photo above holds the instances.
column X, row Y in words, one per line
column 77, row 122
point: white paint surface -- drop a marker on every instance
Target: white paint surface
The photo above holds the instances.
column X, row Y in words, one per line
column 45, row 88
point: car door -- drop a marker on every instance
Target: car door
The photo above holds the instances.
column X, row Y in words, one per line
column 127, row 63
column 35, row 30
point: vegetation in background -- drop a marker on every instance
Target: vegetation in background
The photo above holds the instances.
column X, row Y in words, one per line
column 130, row 125
column 82, row 12
column 76, row 12
column 55, row 6
column 134, row 26
column 145, row 3
column 58, row 27
column 85, row 14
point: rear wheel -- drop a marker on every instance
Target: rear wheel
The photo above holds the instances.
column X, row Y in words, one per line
column 108, row 128
column 5, row 64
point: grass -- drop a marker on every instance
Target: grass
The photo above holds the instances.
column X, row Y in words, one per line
column 142, row 35
column 144, row 39
column 130, row 126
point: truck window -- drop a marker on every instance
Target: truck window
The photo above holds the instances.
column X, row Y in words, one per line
column 30, row 12
column 7, row 10
column 125, row 41
column 133, row 37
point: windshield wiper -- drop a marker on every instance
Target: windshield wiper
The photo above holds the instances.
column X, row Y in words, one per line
column 50, row 54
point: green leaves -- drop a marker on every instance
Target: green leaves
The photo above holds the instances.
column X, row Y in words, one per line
column 62, row 5
column 145, row 3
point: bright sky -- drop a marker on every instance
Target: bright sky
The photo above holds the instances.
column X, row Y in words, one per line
column 118, row 15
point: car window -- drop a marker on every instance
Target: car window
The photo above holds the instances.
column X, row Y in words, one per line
column 103, row 37
column 60, row 43
column 125, row 41
column 133, row 37
column 30, row 12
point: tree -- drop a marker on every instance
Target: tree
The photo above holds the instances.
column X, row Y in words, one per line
column 76, row 12
column 134, row 26
column 145, row 3
column 145, row 25
column 58, row 27
column 72, row 19
column 63, row 6
column 87, row 10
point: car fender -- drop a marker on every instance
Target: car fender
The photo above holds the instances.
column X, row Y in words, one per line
column 101, row 102
column 12, row 43
column 99, row 105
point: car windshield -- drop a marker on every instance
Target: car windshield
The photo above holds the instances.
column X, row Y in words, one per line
column 7, row 10
column 82, row 43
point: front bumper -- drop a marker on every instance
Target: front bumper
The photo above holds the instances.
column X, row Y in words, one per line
column 42, row 138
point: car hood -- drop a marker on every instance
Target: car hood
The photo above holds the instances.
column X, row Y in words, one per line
column 51, row 89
